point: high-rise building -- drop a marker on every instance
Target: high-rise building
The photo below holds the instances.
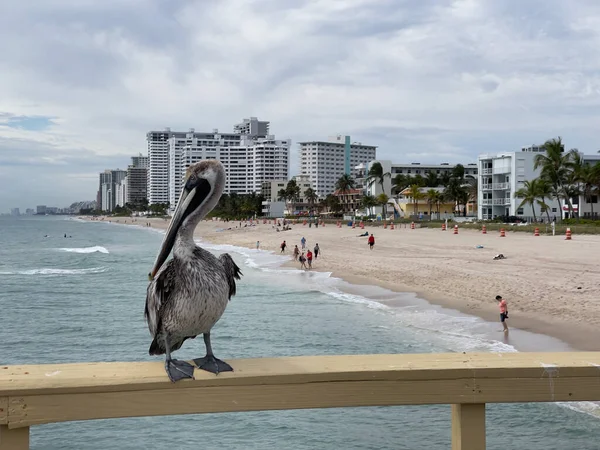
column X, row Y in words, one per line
column 326, row 161
column 41, row 209
column 249, row 155
column 137, row 180
column 110, row 190
column 15, row 212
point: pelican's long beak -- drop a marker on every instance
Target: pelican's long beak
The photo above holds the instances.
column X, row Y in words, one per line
column 192, row 196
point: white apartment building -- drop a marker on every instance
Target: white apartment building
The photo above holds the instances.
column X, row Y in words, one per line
column 111, row 189
column 326, row 161
column 501, row 175
column 158, row 164
column 409, row 170
column 249, row 158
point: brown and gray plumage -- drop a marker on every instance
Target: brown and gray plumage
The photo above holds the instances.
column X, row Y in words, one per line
column 188, row 294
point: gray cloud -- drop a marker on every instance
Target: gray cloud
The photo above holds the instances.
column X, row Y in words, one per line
column 422, row 79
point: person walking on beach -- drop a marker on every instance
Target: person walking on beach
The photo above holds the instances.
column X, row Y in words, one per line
column 317, row 249
column 283, row 245
column 296, row 252
column 309, row 256
column 503, row 312
column 257, row 245
column 302, row 260
column 371, row 241
column 303, row 242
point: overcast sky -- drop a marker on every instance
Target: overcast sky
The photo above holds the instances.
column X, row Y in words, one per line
column 425, row 80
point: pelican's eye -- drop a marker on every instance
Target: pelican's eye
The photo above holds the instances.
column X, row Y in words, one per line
column 191, row 182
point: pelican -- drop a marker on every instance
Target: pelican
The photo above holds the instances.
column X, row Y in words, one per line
column 188, row 294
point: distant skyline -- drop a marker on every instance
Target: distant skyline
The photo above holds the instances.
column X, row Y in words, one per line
column 425, row 80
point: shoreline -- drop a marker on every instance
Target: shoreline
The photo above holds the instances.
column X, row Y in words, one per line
column 576, row 333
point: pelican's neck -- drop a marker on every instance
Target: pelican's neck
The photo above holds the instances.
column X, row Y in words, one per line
column 184, row 242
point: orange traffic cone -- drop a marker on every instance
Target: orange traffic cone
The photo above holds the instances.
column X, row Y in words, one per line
column 536, row 232
column 443, row 227
column 502, row 233
column 455, row 229
column 568, row 235
column 483, row 229
column 412, row 225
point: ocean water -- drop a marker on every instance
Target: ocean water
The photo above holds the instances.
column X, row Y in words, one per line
column 81, row 298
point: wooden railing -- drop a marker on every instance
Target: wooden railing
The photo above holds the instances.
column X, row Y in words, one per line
column 39, row 394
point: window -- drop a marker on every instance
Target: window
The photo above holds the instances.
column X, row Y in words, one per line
column 520, row 212
column 553, row 210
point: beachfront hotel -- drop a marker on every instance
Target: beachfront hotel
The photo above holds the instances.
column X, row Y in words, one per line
column 502, row 174
column 406, row 169
column 326, row 161
column 250, row 156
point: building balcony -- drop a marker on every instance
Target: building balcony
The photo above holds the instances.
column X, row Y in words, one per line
column 486, row 201
column 486, row 171
column 501, row 201
column 486, row 187
column 501, row 186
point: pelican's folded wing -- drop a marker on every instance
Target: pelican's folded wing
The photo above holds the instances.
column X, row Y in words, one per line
column 158, row 294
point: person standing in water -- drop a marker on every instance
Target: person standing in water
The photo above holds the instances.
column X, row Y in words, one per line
column 296, row 252
column 317, row 249
column 283, row 245
column 503, row 312
column 257, row 245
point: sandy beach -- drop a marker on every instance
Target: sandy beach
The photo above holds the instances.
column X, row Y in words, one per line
column 551, row 284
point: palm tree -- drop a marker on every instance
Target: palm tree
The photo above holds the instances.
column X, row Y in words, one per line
column 530, row 194
column 414, row 192
column 400, row 182
column 587, row 177
column 292, row 193
column 377, row 175
column 432, row 180
column 432, row 196
column 281, row 194
column 382, row 199
column 368, row 202
column 311, row 197
column 556, row 166
column 455, row 191
column 345, row 183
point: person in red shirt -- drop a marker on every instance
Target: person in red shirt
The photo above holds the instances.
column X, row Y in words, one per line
column 371, row 241
column 309, row 256
column 503, row 311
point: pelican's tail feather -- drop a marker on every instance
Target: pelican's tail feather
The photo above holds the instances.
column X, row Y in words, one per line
column 158, row 345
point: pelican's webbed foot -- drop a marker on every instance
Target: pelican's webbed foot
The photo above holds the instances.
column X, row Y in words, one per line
column 178, row 370
column 212, row 365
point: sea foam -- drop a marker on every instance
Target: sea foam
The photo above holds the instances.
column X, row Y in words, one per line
column 56, row 271
column 95, row 249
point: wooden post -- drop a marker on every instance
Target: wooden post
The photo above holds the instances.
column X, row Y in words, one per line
column 468, row 426
column 15, row 439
